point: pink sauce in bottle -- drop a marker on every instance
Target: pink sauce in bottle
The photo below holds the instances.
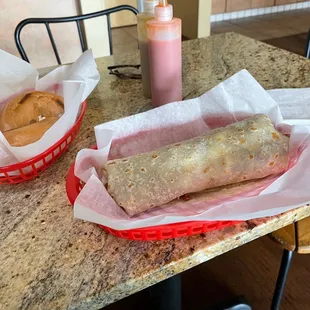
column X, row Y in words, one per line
column 165, row 51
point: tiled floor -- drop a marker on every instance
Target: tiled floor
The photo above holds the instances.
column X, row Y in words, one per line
column 294, row 43
column 259, row 27
column 267, row 26
column 124, row 39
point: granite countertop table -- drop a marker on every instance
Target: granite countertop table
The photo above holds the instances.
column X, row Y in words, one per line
column 51, row 261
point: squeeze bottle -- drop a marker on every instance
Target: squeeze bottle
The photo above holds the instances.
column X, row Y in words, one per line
column 142, row 18
column 165, row 49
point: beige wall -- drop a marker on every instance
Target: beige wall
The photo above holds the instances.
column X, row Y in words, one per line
column 195, row 15
column 35, row 38
column 123, row 18
column 204, row 20
column 96, row 29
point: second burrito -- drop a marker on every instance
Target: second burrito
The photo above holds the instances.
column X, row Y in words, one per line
column 246, row 150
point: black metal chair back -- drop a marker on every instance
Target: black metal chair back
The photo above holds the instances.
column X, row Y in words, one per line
column 56, row 20
column 307, row 49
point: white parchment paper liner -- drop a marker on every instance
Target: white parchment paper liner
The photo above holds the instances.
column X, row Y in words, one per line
column 233, row 100
column 74, row 82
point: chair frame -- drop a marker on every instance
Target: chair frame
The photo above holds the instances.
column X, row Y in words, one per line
column 77, row 19
column 307, row 48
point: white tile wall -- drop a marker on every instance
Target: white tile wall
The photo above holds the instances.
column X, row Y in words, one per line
column 247, row 13
column 260, row 11
column 233, row 15
column 268, row 10
column 226, row 17
column 240, row 14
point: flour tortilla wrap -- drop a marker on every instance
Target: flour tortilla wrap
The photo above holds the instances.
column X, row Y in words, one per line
column 246, row 150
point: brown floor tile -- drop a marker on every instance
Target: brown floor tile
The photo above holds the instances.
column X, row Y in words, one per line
column 223, row 26
column 285, row 15
column 295, row 44
column 299, row 24
column 121, row 37
column 227, row 26
column 255, row 35
column 265, row 27
column 125, row 48
column 131, row 30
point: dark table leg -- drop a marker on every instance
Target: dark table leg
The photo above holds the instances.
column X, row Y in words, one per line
column 166, row 295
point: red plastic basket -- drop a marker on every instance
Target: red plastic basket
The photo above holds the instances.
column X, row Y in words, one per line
column 30, row 168
column 74, row 186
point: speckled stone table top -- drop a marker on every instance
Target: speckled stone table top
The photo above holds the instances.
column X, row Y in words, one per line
column 48, row 260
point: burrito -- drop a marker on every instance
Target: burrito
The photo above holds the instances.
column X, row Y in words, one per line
column 246, row 150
